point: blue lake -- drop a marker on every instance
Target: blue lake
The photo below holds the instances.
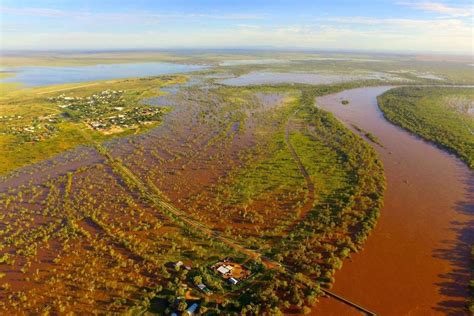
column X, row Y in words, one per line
column 43, row 76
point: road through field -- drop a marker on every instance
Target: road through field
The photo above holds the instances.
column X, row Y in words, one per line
column 310, row 200
column 155, row 196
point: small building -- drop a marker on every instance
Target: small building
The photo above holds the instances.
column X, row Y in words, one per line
column 201, row 286
column 178, row 264
column 222, row 270
column 204, row 288
column 192, row 309
column 233, row 281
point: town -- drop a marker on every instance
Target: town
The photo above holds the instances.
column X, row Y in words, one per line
column 108, row 111
column 37, row 130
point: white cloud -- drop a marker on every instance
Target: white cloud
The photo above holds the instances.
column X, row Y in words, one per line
column 441, row 8
column 142, row 15
column 400, row 24
column 444, row 36
column 449, row 34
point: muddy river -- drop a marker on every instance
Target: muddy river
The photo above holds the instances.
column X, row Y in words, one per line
column 416, row 261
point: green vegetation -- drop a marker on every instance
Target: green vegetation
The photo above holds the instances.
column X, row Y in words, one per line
column 441, row 115
column 345, row 215
column 374, row 139
column 7, row 86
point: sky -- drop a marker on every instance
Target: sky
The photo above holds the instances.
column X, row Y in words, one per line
column 382, row 26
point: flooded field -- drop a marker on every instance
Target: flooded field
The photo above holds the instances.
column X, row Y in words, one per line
column 416, row 261
column 254, row 165
column 82, row 216
column 256, row 78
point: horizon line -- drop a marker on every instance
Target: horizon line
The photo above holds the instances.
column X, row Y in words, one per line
column 243, row 48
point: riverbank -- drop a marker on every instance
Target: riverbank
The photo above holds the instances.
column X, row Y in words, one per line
column 416, row 262
column 443, row 115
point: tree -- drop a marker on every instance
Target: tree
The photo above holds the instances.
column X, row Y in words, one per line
column 197, row 279
column 182, row 305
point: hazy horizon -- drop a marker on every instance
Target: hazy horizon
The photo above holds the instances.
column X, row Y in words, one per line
column 438, row 27
column 228, row 50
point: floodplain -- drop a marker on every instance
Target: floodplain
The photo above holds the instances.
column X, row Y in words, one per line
column 121, row 195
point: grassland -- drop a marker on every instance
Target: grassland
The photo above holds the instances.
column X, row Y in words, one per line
column 7, row 86
column 441, row 115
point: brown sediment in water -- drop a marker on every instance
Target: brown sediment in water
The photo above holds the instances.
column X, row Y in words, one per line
column 416, row 261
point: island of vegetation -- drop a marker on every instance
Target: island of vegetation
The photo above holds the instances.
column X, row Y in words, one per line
column 443, row 115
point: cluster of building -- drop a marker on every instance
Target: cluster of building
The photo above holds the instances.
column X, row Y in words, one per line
column 201, row 286
column 108, row 110
column 105, row 96
column 228, row 270
column 38, row 129
column 231, row 271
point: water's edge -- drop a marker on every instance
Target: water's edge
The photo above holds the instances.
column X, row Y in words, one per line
column 417, row 259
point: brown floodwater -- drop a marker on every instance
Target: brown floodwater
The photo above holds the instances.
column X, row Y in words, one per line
column 416, row 261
